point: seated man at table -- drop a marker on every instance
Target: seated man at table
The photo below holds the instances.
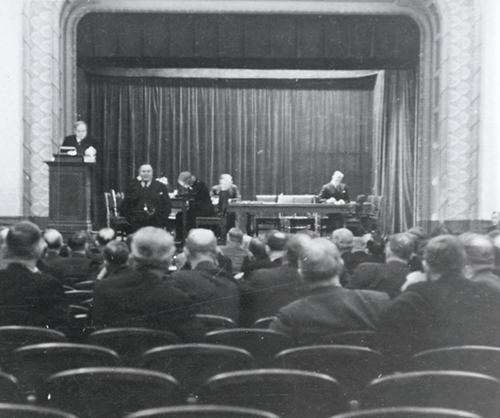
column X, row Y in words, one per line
column 327, row 308
column 334, row 192
column 221, row 194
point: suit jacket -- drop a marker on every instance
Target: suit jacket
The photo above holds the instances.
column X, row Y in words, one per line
column 329, row 190
column 388, row 277
column 154, row 198
column 70, row 141
column 330, row 309
column 267, row 290
column 200, row 203
column 73, row 269
column 212, row 289
column 143, row 298
column 31, row 298
column 236, row 253
column 449, row 311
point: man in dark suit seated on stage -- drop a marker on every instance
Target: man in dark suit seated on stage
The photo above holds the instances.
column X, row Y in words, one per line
column 390, row 276
column 444, row 310
column 80, row 140
column 212, row 289
column 267, row 290
column 146, row 201
column 27, row 296
column 327, row 308
column 199, row 200
column 141, row 296
column 334, row 192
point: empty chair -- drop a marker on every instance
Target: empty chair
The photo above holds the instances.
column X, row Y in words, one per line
column 204, row 411
column 353, row 367
column 263, row 344
column 263, row 323
column 193, row 364
column 287, row 393
column 78, row 296
column 358, row 338
column 130, row 343
column 478, row 359
column 32, row 364
column 215, row 322
column 109, row 392
column 9, row 388
column 15, row 336
column 466, row 391
column 10, row 410
column 408, row 412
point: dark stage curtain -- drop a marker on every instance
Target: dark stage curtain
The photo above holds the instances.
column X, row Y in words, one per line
column 273, row 136
column 394, row 151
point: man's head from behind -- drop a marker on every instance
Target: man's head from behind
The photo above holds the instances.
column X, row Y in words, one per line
column 77, row 241
column 479, row 250
column 201, row 244
column 105, row 235
column 152, row 248
column 54, row 239
column 146, row 172
column 444, row 254
column 116, row 252
column 235, row 236
column 343, row 238
column 319, row 261
column 24, row 241
column 400, row 246
column 276, row 241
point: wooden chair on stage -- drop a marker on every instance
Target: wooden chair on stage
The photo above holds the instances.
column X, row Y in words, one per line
column 218, row 223
column 266, row 223
column 113, row 218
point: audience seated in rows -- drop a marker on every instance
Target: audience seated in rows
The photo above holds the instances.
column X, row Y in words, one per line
column 390, row 276
column 328, row 307
column 267, row 290
column 212, row 289
column 140, row 295
column 234, row 249
column 258, row 258
column 480, row 257
column 76, row 267
column 27, row 296
column 444, row 310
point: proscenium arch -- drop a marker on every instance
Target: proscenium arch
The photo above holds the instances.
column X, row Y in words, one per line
column 424, row 12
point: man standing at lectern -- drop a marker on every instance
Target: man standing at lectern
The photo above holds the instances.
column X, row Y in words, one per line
column 146, row 201
column 80, row 140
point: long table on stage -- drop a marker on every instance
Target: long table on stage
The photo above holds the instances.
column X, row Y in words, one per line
column 265, row 209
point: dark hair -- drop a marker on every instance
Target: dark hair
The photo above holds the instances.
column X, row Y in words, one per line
column 116, row 252
column 276, row 240
column 77, row 241
column 22, row 238
column 402, row 245
column 257, row 248
column 445, row 254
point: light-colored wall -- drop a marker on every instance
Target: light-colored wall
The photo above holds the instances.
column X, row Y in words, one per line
column 11, row 107
column 489, row 151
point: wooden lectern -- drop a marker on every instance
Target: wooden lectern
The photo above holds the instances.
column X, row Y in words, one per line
column 70, row 196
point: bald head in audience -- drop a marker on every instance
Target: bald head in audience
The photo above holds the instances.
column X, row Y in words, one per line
column 320, row 261
column 54, row 240
column 400, row 247
column 343, row 238
column 105, row 235
column 152, row 248
column 201, row 245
